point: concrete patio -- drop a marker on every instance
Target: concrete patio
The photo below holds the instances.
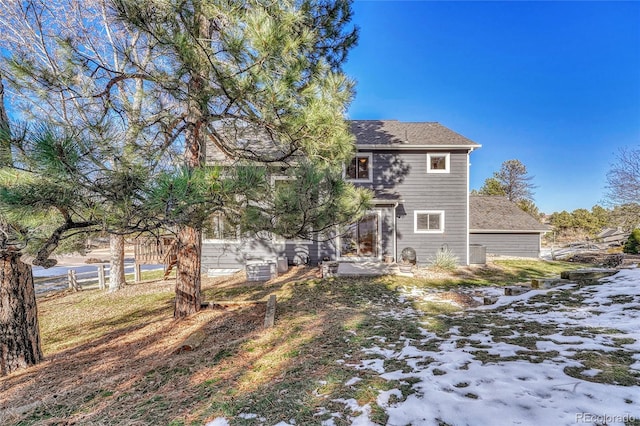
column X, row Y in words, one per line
column 367, row 269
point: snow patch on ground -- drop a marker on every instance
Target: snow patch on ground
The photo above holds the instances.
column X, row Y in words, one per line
column 220, row 421
column 509, row 370
column 515, row 390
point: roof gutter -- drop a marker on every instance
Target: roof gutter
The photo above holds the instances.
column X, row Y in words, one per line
column 398, row 147
column 382, row 201
column 508, row 231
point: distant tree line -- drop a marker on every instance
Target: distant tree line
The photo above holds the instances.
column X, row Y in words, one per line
column 622, row 198
column 583, row 223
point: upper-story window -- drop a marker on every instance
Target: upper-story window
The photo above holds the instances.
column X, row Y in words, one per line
column 360, row 168
column 438, row 163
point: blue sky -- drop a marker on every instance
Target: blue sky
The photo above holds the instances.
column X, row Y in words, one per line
column 553, row 84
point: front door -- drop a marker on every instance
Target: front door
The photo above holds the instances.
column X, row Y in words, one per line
column 361, row 238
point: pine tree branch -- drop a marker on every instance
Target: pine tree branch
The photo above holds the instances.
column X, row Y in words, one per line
column 42, row 257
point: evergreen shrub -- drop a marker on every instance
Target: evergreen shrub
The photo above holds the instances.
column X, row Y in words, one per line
column 632, row 246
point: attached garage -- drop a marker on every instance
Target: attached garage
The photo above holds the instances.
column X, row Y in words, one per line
column 503, row 228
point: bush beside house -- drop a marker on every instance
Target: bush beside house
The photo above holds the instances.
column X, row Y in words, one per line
column 632, row 246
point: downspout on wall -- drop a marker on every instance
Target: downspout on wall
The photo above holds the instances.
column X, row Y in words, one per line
column 468, row 179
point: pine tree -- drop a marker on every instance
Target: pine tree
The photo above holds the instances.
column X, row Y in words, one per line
column 60, row 56
column 258, row 80
column 632, row 245
column 492, row 186
column 515, row 181
column 19, row 330
column 512, row 182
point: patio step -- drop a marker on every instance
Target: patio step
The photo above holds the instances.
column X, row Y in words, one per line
column 587, row 276
column 362, row 269
column 549, row 283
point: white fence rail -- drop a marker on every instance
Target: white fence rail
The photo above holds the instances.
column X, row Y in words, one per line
column 98, row 277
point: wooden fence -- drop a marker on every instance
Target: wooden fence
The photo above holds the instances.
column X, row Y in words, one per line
column 97, row 278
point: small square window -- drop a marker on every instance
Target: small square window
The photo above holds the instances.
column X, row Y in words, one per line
column 428, row 221
column 438, row 163
column 359, row 168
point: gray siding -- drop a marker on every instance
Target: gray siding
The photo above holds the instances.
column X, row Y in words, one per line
column 232, row 255
column 509, row 244
column 405, row 172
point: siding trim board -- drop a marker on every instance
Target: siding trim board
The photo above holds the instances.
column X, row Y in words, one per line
column 468, row 242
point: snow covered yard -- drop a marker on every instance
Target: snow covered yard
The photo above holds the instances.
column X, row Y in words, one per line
column 564, row 356
column 568, row 355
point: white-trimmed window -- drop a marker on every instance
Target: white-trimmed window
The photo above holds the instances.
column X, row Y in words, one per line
column 428, row 221
column 360, row 168
column 438, row 163
column 221, row 229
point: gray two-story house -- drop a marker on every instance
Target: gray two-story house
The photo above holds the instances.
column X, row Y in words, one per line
column 419, row 173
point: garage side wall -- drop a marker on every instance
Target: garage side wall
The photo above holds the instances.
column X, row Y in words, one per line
column 508, row 244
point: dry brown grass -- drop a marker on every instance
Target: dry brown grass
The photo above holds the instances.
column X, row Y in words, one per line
column 88, row 379
column 111, row 358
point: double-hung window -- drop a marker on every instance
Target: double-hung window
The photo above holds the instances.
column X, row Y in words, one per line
column 360, row 168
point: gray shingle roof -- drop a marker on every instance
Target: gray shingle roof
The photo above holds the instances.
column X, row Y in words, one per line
column 394, row 132
column 496, row 213
column 382, row 195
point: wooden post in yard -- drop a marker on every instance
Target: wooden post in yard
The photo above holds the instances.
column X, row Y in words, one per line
column 136, row 272
column 70, row 278
column 101, row 280
column 270, row 316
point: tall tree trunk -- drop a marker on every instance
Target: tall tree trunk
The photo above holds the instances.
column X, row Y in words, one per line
column 116, row 262
column 19, row 332
column 188, row 298
column 188, row 279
